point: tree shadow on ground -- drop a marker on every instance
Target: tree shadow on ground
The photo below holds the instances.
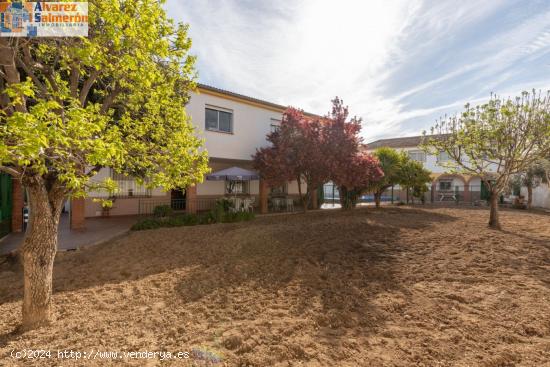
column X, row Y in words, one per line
column 326, row 267
column 321, row 269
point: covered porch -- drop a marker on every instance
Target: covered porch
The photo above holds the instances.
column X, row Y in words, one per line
column 97, row 230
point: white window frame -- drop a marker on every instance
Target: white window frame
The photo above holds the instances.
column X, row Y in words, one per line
column 415, row 154
column 441, row 160
column 218, row 110
column 281, row 190
column 275, row 125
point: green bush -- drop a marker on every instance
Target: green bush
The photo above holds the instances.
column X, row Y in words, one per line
column 149, row 223
column 237, row 217
column 207, row 218
column 214, row 216
column 162, row 211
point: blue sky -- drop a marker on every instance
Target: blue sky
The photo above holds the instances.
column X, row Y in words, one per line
column 398, row 64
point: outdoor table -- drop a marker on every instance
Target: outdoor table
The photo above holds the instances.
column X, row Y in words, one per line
column 443, row 196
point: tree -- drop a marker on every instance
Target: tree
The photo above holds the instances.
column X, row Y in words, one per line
column 71, row 106
column 295, row 153
column 495, row 141
column 390, row 163
column 413, row 177
column 350, row 169
column 355, row 177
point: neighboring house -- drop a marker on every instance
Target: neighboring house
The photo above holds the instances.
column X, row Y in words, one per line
column 445, row 186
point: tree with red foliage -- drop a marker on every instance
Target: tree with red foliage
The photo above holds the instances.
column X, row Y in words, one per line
column 296, row 153
column 355, row 177
column 350, row 169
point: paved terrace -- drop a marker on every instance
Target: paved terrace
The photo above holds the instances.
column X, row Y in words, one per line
column 97, row 230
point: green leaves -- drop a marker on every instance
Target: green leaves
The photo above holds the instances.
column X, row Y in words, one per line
column 114, row 99
column 495, row 140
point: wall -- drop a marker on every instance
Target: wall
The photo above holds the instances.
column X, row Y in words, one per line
column 121, row 206
column 251, row 124
column 475, row 184
column 541, row 196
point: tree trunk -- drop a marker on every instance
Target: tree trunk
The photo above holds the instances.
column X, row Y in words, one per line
column 38, row 255
column 377, row 196
column 529, row 196
column 346, row 199
column 303, row 198
column 493, row 216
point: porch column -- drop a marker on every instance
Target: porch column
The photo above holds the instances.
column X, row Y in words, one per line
column 17, row 206
column 78, row 221
column 314, row 200
column 264, row 191
column 191, row 199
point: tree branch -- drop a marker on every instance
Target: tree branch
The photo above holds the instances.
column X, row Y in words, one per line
column 33, row 76
column 87, row 86
column 11, row 171
column 110, row 99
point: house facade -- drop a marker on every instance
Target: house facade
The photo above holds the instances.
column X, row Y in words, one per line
column 445, row 186
column 232, row 125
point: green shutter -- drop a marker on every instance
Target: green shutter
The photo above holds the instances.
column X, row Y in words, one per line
column 6, row 202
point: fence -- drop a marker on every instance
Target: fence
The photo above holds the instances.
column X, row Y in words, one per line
column 147, row 206
column 469, row 195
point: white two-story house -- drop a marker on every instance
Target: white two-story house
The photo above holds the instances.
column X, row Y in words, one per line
column 233, row 126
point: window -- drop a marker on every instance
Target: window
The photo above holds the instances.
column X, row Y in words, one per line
column 128, row 186
column 443, row 157
column 279, row 190
column 216, row 120
column 445, row 185
column 236, row 187
column 275, row 125
column 417, row 155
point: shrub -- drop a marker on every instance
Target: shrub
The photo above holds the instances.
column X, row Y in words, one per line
column 214, row 216
column 162, row 211
column 149, row 223
column 176, row 221
column 224, row 205
column 207, row 218
column 237, row 217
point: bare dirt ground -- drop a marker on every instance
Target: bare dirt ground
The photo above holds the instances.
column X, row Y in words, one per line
column 389, row 287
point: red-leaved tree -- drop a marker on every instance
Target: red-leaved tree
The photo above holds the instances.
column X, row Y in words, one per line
column 296, row 153
column 351, row 170
column 356, row 177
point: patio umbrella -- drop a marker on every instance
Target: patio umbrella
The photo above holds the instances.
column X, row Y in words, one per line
column 233, row 174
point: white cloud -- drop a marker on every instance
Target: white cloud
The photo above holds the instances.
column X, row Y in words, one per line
column 304, row 53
